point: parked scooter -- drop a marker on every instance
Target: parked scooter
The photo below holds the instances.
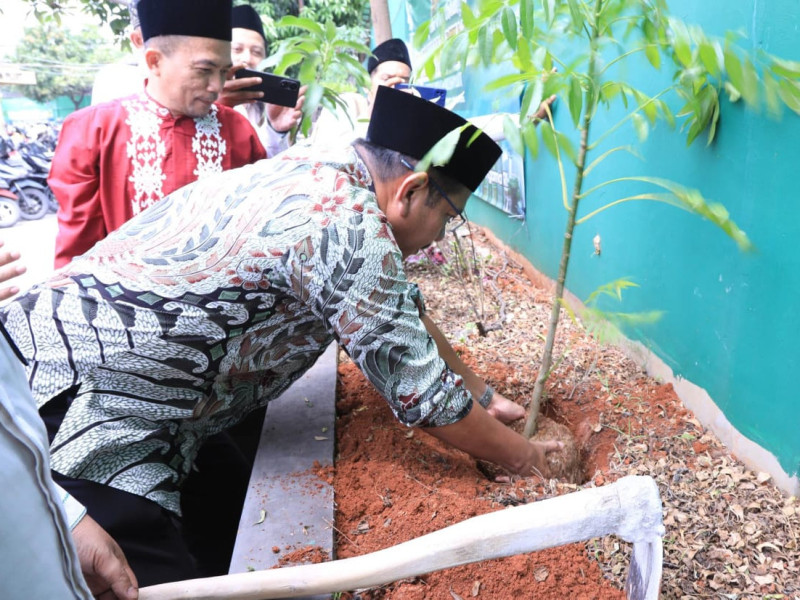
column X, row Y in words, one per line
column 30, row 189
column 32, row 195
column 9, row 206
column 38, row 160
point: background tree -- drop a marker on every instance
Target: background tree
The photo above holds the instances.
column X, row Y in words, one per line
column 65, row 62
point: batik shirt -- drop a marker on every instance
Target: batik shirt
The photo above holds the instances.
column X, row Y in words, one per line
column 210, row 304
column 116, row 159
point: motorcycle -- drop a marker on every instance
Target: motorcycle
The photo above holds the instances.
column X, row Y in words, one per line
column 9, row 206
column 32, row 195
column 37, row 158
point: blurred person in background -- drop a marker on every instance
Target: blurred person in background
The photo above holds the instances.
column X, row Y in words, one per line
column 273, row 123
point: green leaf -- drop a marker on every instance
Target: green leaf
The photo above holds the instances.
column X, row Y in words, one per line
column 693, row 201
column 785, row 68
column 733, row 93
column 640, row 126
column 749, row 87
column 549, row 11
column 330, row 31
column 575, row 98
column 711, row 58
column 576, row 14
column 790, row 94
column 442, row 151
column 468, row 17
column 513, row 135
column 530, row 137
column 549, row 138
column 526, row 22
column 653, row 55
column 509, row 22
column 522, row 57
column 772, row 95
column 421, row 34
column 505, row 81
column 532, row 97
column 680, row 42
column 733, row 68
column 301, row 23
column 484, row 46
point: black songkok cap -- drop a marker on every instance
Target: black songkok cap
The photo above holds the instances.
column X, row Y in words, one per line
column 246, row 17
column 394, row 49
column 410, row 125
column 195, row 18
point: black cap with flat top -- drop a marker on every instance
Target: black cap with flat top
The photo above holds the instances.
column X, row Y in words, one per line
column 410, row 125
column 394, row 49
column 246, row 17
column 194, row 18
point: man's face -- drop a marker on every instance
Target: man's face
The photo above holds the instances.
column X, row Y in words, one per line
column 422, row 224
column 388, row 73
column 247, row 47
column 191, row 77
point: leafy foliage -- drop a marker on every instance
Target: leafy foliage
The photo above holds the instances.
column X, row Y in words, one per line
column 65, row 62
column 352, row 15
column 326, row 61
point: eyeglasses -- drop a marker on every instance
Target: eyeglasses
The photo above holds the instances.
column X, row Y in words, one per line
column 460, row 218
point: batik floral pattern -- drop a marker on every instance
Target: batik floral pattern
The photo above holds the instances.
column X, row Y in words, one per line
column 210, row 304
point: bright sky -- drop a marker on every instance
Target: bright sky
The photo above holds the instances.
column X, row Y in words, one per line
column 15, row 15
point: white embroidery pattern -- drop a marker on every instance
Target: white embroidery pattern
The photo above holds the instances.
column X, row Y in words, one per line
column 146, row 151
column 208, row 145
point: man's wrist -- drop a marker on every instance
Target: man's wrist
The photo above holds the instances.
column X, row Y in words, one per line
column 269, row 124
column 486, row 397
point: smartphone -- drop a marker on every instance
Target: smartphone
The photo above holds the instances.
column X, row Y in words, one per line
column 435, row 95
column 282, row 91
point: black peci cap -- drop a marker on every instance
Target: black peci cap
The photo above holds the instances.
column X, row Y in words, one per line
column 246, row 17
column 405, row 123
column 195, row 18
column 394, row 49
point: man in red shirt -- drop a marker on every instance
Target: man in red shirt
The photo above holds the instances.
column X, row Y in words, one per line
column 117, row 158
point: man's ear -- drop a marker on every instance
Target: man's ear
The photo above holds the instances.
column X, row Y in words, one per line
column 413, row 187
column 153, row 58
column 137, row 41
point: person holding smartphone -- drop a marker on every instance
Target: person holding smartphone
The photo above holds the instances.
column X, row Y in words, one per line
column 389, row 65
column 117, row 158
column 273, row 123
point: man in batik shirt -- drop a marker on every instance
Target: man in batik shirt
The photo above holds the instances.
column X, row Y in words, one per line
column 212, row 302
column 115, row 159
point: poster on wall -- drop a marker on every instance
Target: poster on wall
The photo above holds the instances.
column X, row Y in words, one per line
column 504, row 186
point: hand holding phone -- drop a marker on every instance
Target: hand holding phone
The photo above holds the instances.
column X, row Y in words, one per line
column 278, row 90
column 435, row 95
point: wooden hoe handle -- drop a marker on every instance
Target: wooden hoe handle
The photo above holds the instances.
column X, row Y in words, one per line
column 629, row 508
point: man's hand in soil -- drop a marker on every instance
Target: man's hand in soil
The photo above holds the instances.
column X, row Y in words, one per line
column 483, row 437
column 504, row 410
column 104, row 566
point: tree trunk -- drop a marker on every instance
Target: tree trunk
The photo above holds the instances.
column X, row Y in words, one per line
column 380, row 20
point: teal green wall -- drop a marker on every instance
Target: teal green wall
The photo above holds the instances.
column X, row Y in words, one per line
column 730, row 323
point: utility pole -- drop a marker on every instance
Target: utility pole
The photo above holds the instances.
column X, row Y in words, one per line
column 380, row 21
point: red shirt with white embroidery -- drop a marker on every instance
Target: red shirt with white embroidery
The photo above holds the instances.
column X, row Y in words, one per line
column 115, row 159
